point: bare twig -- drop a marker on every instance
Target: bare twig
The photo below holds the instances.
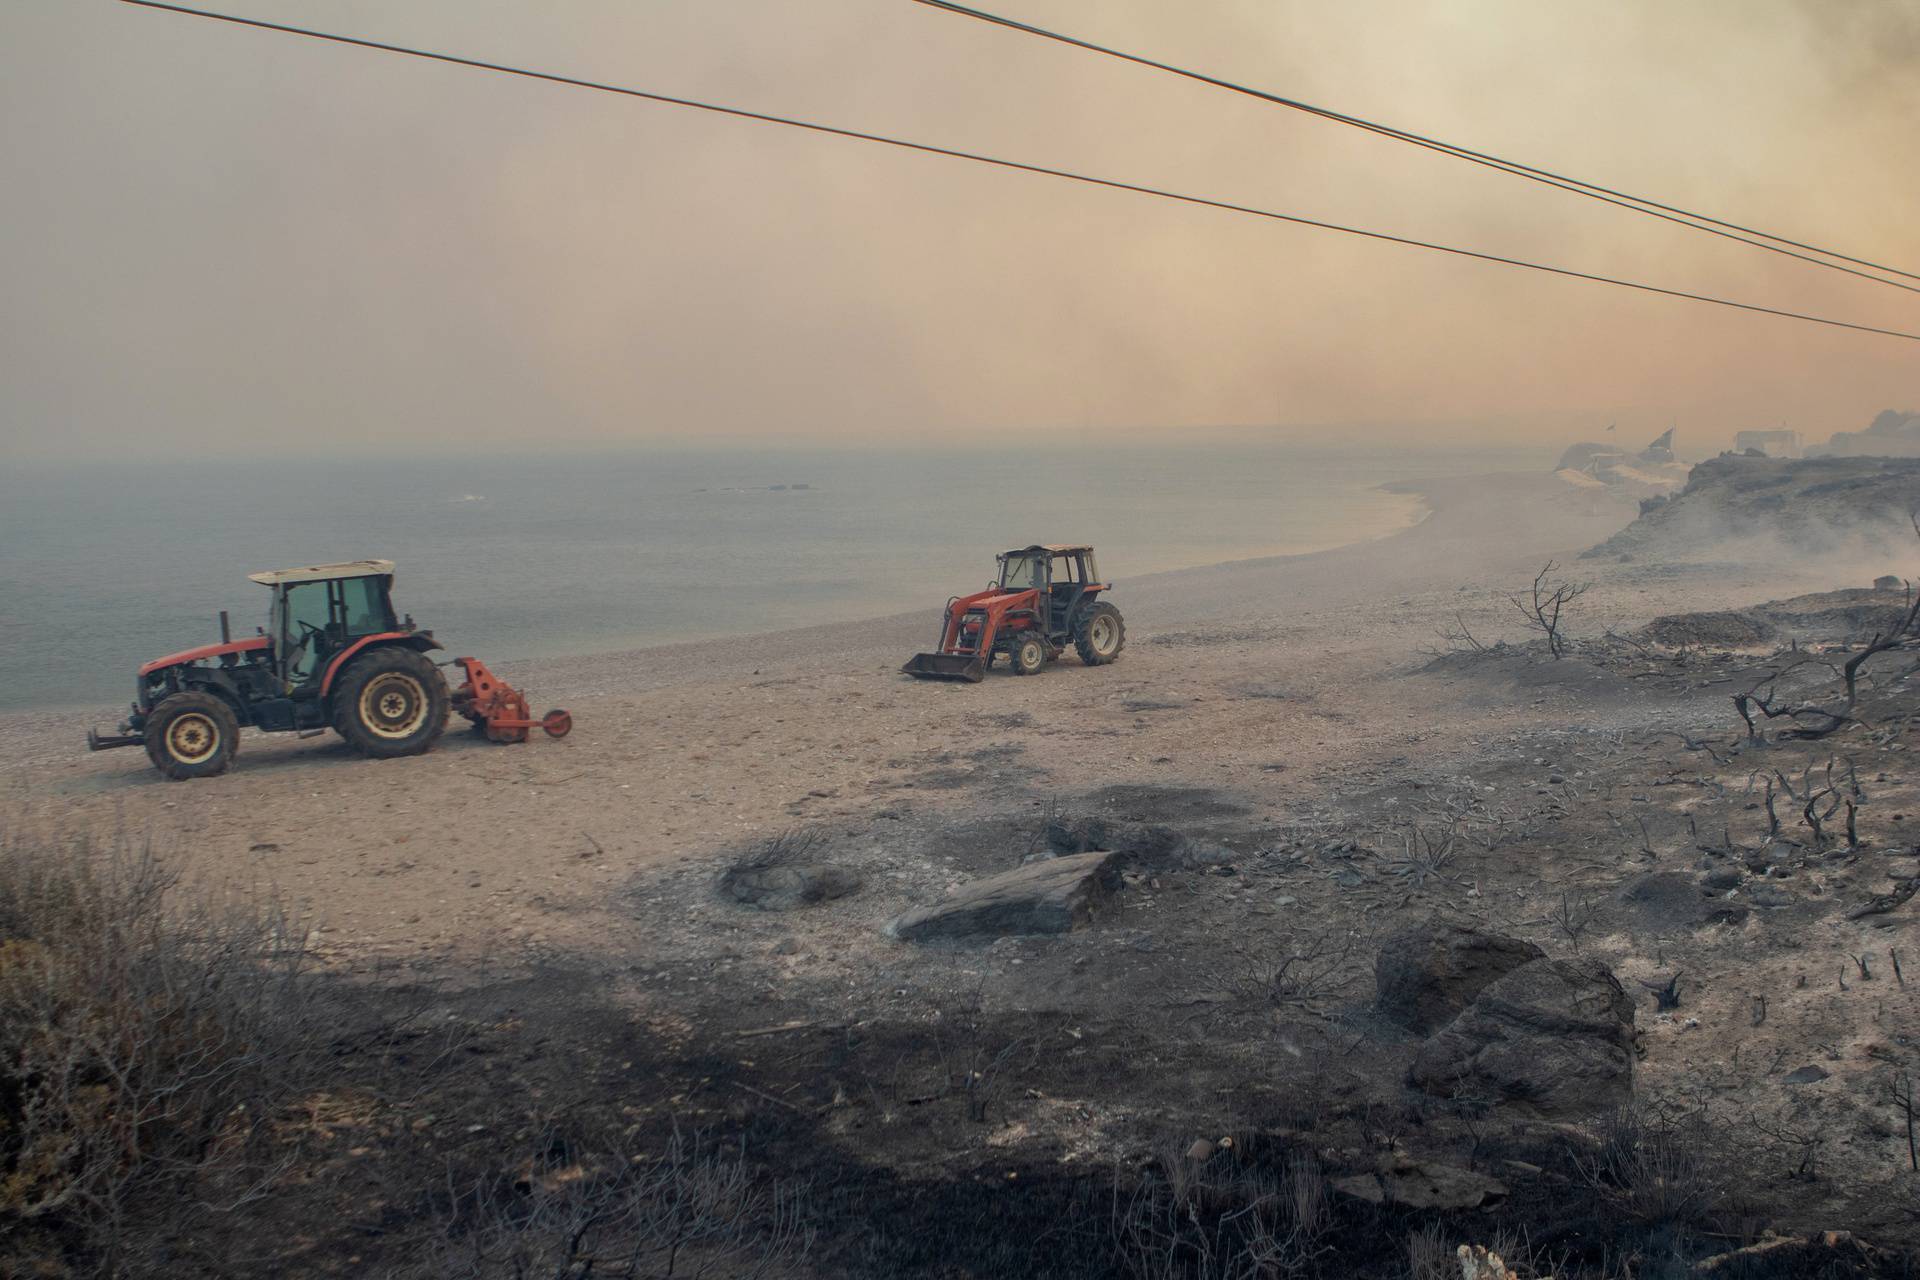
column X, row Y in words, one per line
column 1545, row 604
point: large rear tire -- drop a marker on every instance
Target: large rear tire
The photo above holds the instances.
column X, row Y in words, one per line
column 1100, row 635
column 192, row 735
column 390, row 702
column 1028, row 654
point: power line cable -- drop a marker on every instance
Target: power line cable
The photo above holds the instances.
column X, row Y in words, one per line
column 1638, row 204
column 742, row 113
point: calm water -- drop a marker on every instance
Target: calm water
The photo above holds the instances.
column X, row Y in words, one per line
column 104, row 566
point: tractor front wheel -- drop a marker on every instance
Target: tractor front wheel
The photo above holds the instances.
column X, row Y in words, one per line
column 192, row 735
column 1029, row 653
column 390, row 702
column 1100, row 635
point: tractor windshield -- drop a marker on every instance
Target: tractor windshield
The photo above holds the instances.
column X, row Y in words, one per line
column 302, row 628
column 1022, row 573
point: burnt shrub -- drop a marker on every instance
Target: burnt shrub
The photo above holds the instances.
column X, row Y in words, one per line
column 146, row 1037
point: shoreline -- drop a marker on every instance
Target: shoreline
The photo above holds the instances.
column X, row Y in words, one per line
column 1422, row 514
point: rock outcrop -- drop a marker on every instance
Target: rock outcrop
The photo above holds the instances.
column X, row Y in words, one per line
column 1735, row 506
column 1552, row 1036
column 1894, row 433
column 1424, row 977
column 1053, row 895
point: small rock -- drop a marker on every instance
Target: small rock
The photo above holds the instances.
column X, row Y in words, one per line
column 1200, row 854
column 1439, row 1186
column 1720, row 880
column 1771, row 896
column 1804, row 1075
column 1200, row 1150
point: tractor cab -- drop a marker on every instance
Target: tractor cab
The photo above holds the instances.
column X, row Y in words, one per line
column 324, row 610
column 1064, row 576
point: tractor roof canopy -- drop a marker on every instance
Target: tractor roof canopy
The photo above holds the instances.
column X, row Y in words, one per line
column 324, row 572
column 1057, row 549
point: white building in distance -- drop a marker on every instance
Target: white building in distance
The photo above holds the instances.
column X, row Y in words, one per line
column 1775, row 444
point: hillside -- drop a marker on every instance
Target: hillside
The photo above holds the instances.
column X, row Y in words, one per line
column 1895, row 433
column 1806, row 507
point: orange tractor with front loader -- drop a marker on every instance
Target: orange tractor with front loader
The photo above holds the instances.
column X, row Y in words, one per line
column 1044, row 599
column 332, row 656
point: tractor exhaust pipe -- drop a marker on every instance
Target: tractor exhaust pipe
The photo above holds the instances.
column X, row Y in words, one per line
column 226, row 632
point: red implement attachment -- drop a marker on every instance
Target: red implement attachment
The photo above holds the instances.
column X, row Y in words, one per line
column 499, row 709
column 968, row 631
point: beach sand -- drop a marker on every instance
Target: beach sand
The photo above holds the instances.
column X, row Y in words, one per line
column 1234, row 675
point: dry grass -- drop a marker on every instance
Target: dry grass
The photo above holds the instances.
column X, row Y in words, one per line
column 1220, row 1219
column 146, row 1038
column 694, row 1209
column 1656, row 1170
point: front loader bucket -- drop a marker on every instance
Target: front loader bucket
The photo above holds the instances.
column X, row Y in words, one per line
column 971, row 667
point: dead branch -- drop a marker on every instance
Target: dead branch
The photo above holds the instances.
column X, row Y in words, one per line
column 1901, row 1089
column 1666, row 995
column 1545, row 604
column 1572, row 918
column 1879, row 905
column 1459, row 638
column 1811, row 719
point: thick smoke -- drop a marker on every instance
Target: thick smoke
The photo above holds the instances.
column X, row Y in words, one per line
column 243, row 241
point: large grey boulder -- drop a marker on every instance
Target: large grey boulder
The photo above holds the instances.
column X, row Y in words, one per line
column 1054, row 895
column 1424, row 977
column 1553, row 1036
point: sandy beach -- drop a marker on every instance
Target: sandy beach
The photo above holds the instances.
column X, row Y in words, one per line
column 1253, row 676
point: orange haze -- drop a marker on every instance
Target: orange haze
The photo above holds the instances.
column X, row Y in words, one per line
column 216, row 238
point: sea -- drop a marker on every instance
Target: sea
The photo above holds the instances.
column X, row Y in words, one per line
column 104, row 565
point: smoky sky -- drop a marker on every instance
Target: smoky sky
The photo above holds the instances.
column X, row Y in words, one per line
column 224, row 240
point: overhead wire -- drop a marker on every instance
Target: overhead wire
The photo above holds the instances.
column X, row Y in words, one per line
column 927, row 148
column 1638, row 204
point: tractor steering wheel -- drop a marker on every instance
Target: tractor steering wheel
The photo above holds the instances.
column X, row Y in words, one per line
column 308, row 635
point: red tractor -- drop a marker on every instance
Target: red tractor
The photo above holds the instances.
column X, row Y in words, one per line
column 1045, row 599
column 332, row 656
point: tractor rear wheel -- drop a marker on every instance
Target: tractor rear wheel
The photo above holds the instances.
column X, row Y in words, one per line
column 192, row 735
column 390, row 702
column 1029, row 653
column 1100, row 635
